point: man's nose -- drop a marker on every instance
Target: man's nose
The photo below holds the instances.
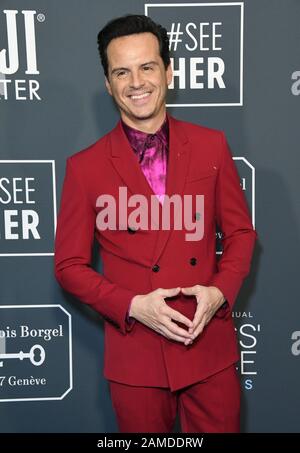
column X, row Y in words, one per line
column 136, row 80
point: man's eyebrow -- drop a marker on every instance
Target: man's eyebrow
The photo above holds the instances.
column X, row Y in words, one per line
column 127, row 69
column 149, row 62
column 118, row 69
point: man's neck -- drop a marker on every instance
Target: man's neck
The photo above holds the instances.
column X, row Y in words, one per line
column 150, row 126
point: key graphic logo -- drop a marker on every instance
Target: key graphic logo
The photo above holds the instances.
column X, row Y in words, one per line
column 34, row 340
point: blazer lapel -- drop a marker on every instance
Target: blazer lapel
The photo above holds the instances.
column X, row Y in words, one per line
column 179, row 154
column 126, row 163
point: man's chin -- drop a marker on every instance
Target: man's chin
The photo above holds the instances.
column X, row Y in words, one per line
column 140, row 116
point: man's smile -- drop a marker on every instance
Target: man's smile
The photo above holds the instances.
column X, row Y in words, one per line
column 140, row 99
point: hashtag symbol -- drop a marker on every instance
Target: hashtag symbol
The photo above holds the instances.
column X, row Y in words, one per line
column 174, row 36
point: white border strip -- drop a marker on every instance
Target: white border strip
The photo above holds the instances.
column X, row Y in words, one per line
column 253, row 190
column 253, row 185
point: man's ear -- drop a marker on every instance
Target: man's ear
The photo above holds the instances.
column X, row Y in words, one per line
column 108, row 87
column 169, row 73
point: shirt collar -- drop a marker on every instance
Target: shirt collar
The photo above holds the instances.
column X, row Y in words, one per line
column 139, row 139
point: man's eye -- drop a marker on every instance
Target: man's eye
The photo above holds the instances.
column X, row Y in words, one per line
column 121, row 73
column 147, row 68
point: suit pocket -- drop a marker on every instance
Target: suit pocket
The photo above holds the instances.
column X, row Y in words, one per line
column 199, row 175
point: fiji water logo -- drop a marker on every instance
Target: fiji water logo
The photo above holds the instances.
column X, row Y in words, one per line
column 9, row 58
column 18, row 45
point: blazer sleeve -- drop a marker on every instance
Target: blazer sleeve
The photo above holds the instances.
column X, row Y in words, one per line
column 73, row 255
column 239, row 236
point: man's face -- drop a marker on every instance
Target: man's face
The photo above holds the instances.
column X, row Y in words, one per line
column 137, row 78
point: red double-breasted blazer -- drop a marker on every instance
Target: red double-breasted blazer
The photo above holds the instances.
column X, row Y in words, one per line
column 137, row 262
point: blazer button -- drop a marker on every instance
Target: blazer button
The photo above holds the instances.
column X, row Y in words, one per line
column 155, row 268
column 193, row 261
column 131, row 230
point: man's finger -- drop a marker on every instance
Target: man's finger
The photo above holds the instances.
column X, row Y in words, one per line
column 190, row 291
column 176, row 330
column 177, row 316
column 168, row 292
column 171, row 336
column 200, row 328
column 200, row 311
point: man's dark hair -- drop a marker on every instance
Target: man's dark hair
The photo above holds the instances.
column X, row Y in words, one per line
column 129, row 25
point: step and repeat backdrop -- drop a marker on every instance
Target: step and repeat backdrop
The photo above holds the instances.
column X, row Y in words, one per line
column 236, row 68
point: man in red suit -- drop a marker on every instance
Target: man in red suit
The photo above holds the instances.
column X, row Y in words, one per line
column 170, row 343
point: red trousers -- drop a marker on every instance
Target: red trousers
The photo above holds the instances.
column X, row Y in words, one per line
column 209, row 406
